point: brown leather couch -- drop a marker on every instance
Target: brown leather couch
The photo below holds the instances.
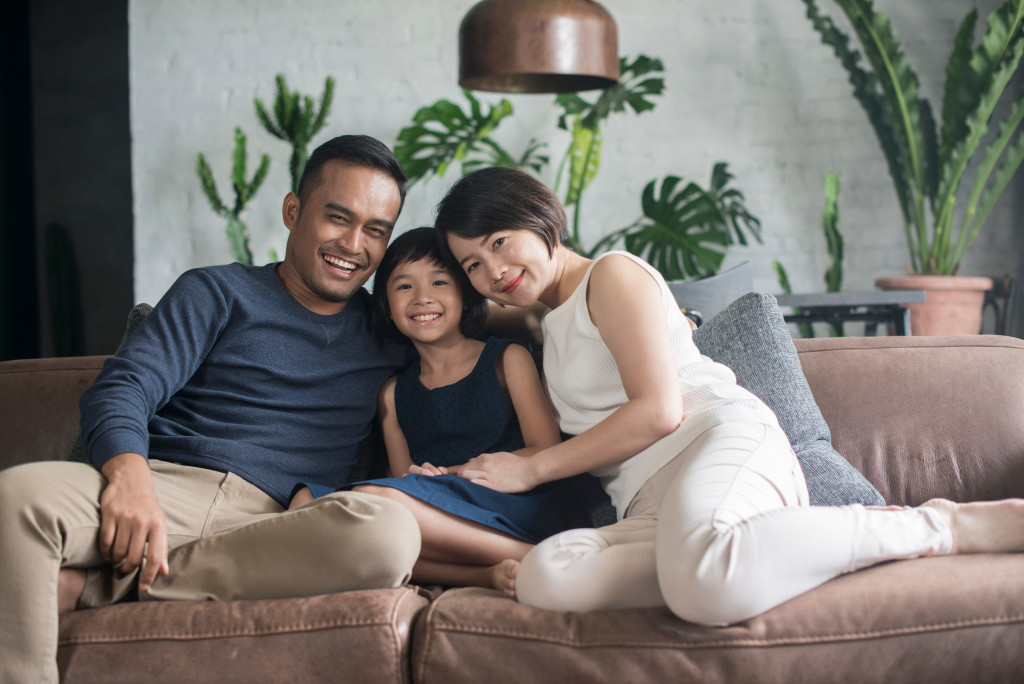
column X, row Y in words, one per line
column 920, row 417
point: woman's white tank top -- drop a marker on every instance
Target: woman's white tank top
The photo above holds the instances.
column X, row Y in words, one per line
column 584, row 386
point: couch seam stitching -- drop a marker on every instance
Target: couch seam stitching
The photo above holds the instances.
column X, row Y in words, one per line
column 194, row 636
column 427, row 618
column 779, row 641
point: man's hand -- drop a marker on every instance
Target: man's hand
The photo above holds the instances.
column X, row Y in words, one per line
column 502, row 471
column 133, row 528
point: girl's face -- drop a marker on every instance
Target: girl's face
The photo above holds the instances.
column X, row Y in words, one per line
column 425, row 301
column 508, row 266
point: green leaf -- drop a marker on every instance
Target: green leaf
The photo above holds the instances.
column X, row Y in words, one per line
column 238, row 170
column 258, row 177
column 999, row 182
column 208, row 185
column 325, row 107
column 868, row 93
column 833, row 238
column 238, row 238
column 584, row 160
column 442, row 133
column 957, row 97
column 682, row 234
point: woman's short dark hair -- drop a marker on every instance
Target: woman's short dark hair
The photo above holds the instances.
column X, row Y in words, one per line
column 494, row 199
column 361, row 150
column 416, row 245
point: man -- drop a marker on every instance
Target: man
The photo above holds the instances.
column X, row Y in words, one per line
column 242, row 383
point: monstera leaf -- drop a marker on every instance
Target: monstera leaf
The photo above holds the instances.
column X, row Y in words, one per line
column 685, row 229
column 443, row 133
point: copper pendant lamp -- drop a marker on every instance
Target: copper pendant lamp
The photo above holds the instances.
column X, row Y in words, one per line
column 538, row 46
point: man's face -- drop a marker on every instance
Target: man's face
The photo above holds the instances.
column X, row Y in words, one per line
column 338, row 235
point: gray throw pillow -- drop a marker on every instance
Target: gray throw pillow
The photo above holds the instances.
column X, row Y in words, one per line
column 750, row 337
column 76, row 452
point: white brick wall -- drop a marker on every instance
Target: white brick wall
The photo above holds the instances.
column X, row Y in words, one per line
column 748, row 82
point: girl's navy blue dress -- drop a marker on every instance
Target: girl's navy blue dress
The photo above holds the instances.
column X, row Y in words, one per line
column 448, row 426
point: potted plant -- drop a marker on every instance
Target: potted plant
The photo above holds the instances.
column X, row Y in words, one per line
column 932, row 170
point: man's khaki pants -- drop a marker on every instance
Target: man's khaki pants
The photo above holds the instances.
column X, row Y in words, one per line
column 228, row 540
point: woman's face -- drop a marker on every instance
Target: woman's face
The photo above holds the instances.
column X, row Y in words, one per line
column 508, row 266
column 425, row 301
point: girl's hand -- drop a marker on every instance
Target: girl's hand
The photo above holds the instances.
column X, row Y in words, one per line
column 502, row 471
column 426, row 469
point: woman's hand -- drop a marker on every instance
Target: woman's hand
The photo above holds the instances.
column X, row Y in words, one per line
column 502, row 471
column 426, row 469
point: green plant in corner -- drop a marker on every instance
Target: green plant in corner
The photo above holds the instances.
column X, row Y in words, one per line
column 684, row 230
column 834, row 243
column 296, row 119
column 238, row 232
column 442, row 133
column 927, row 167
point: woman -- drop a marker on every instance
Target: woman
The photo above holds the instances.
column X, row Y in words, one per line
column 713, row 510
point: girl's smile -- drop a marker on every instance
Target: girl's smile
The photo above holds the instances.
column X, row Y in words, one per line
column 426, row 303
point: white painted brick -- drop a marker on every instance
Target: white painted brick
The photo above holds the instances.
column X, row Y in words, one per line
column 748, row 82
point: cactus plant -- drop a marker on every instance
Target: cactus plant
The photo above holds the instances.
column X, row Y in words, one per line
column 296, row 119
column 238, row 232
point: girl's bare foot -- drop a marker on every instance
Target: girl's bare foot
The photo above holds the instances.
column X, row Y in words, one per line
column 503, row 576
column 983, row 526
column 70, row 583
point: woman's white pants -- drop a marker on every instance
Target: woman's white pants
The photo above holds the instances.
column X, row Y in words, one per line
column 720, row 534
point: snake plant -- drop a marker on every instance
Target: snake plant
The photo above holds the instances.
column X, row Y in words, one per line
column 929, row 166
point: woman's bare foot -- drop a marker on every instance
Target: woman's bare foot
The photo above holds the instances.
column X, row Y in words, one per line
column 503, row 576
column 983, row 526
column 70, row 584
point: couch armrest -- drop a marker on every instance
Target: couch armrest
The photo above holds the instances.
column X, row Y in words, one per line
column 39, row 406
column 924, row 416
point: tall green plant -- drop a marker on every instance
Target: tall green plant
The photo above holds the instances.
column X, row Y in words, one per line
column 442, row 133
column 296, row 119
column 582, row 159
column 927, row 168
column 238, row 232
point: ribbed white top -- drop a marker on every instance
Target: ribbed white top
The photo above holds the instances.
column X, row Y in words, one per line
column 585, row 387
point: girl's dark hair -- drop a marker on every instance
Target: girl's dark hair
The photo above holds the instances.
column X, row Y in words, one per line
column 415, row 245
column 494, row 199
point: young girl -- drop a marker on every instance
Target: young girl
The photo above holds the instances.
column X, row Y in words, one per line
column 461, row 398
column 714, row 520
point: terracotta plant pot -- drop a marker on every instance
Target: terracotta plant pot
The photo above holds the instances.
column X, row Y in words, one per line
column 953, row 304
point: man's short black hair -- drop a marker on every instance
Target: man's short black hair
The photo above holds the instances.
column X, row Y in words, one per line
column 361, row 150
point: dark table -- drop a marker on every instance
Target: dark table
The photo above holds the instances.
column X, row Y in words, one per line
column 872, row 307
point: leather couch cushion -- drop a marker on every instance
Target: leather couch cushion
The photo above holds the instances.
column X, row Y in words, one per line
column 925, row 620
column 356, row 636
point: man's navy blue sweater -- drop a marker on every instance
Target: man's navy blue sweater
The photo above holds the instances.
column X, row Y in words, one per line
column 229, row 372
